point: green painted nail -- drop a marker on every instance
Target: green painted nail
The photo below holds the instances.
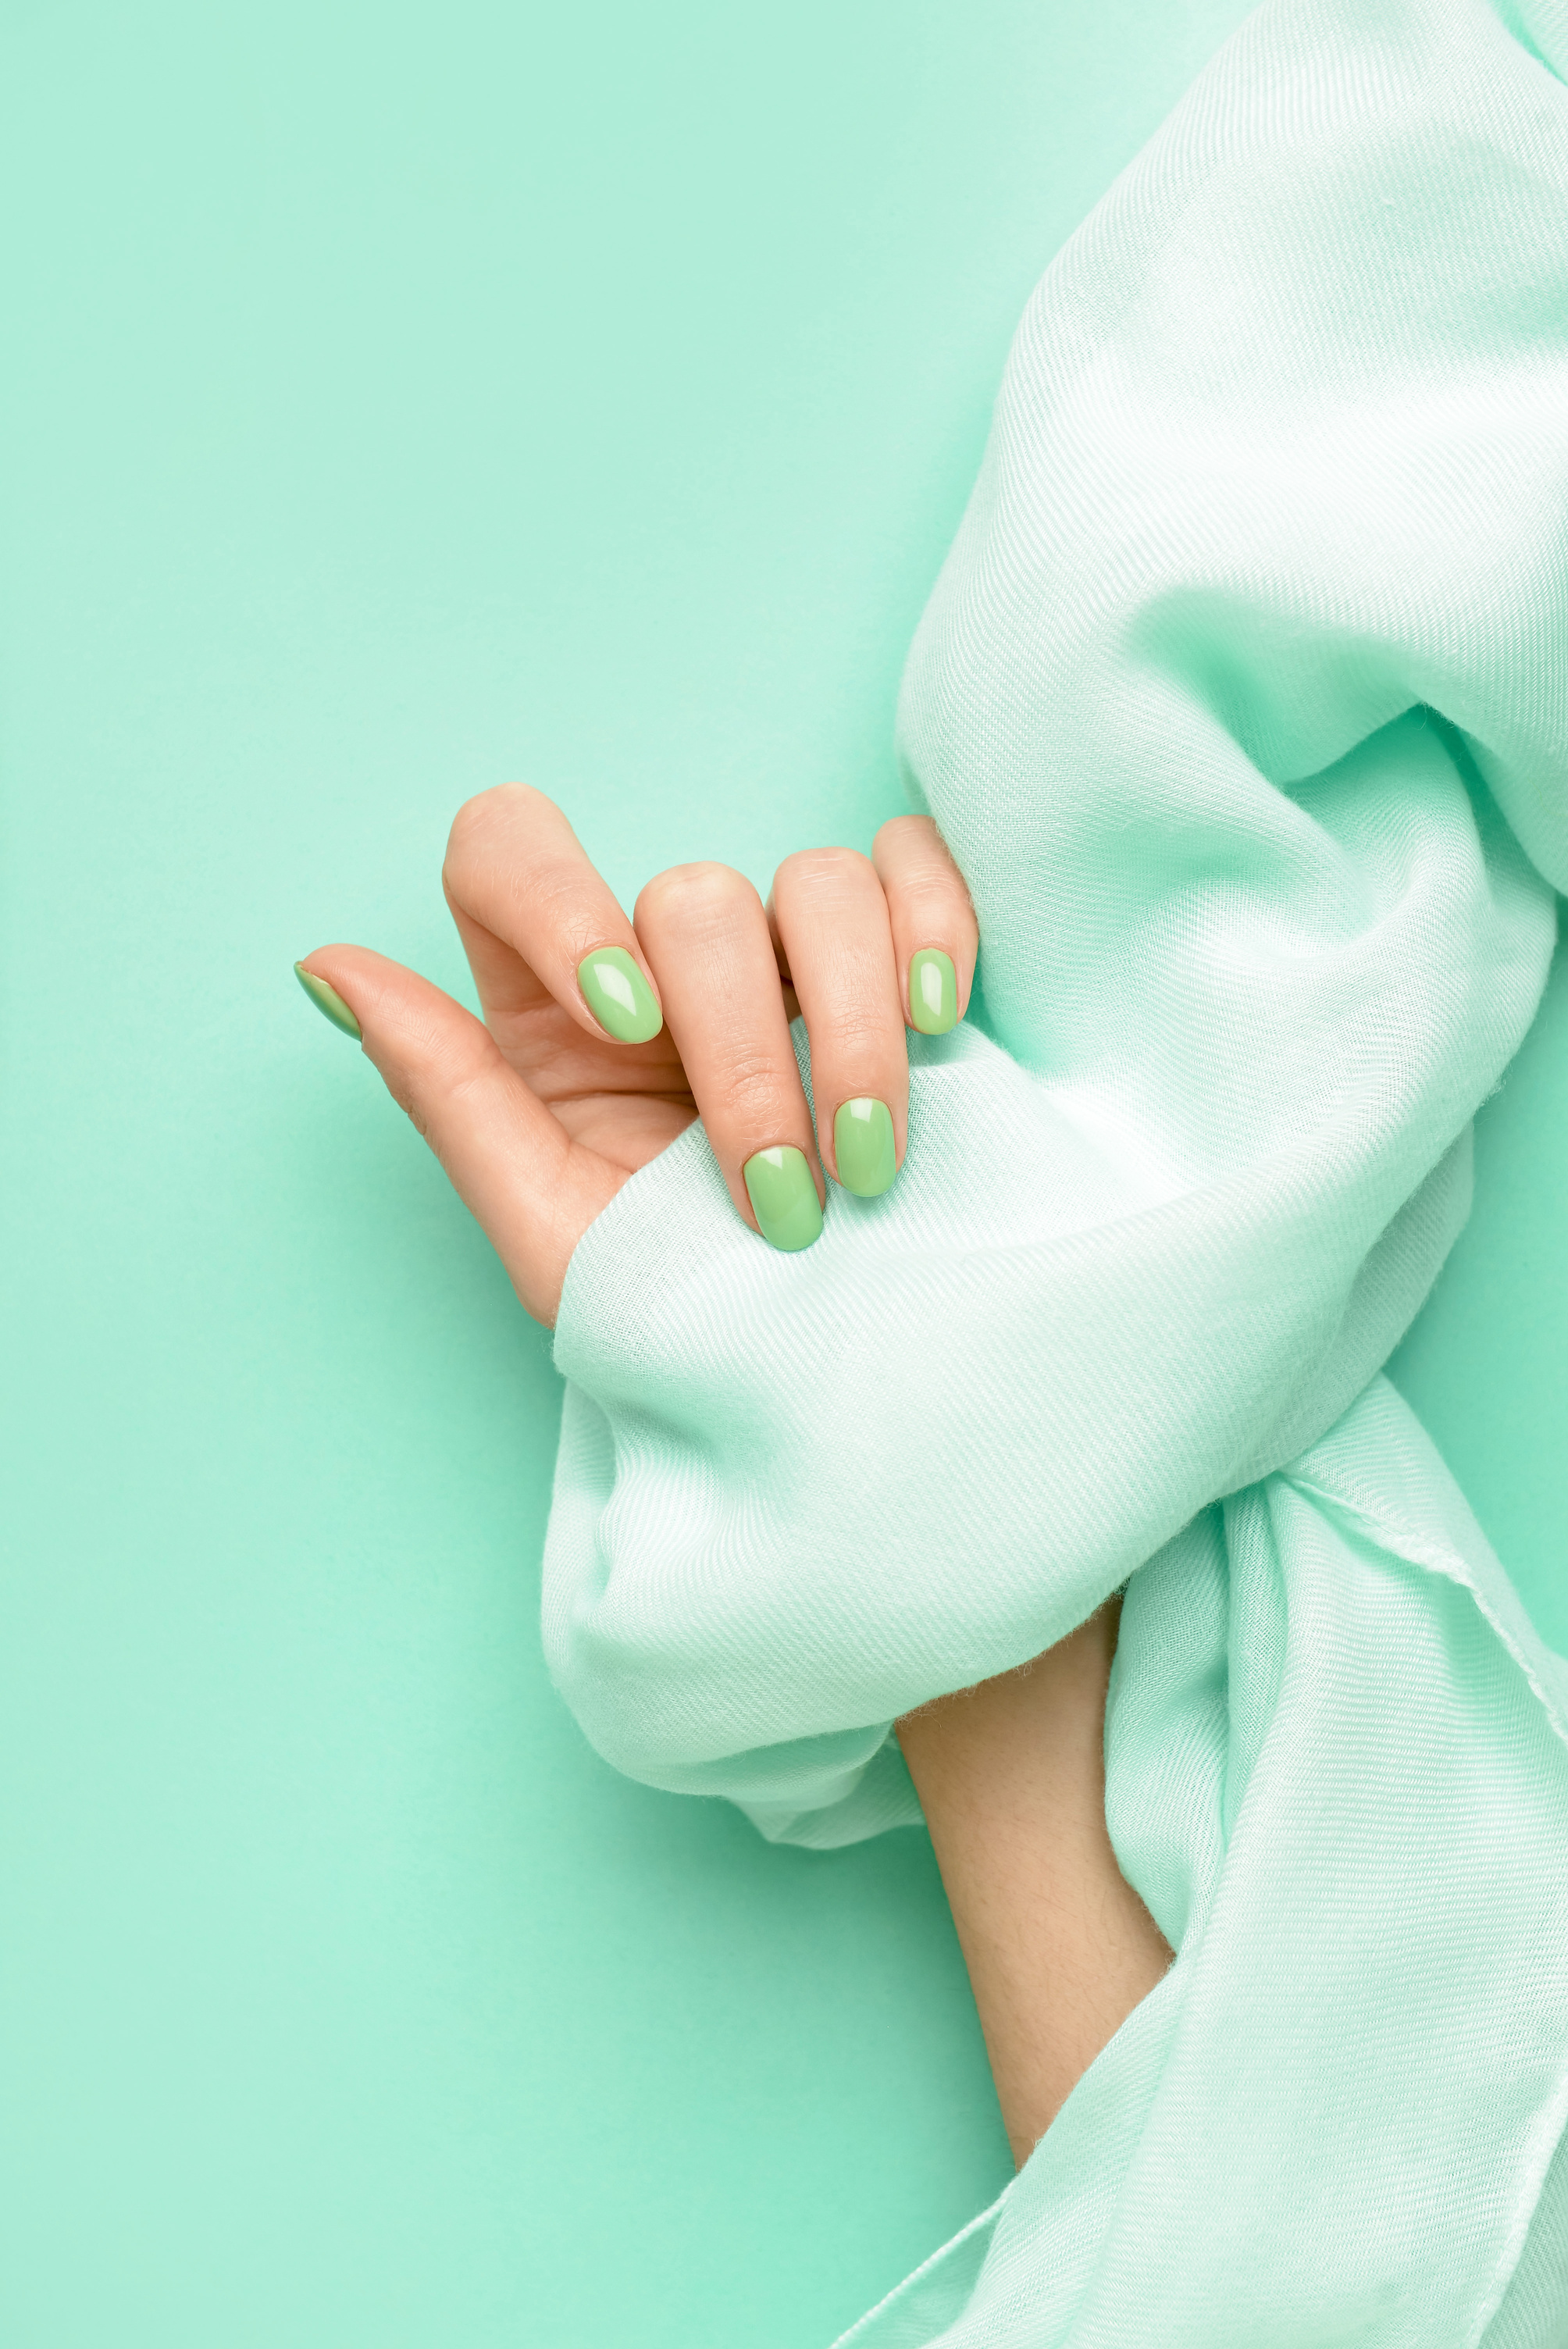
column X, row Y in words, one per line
column 933, row 992
column 328, row 1001
column 783, row 1197
column 863, row 1146
column 618, row 996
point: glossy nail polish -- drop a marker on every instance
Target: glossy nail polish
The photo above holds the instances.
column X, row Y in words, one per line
column 783, row 1197
column 864, row 1148
column 618, row 996
column 933, row 992
column 328, row 1002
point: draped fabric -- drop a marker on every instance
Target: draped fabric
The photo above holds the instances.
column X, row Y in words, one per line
column 1243, row 702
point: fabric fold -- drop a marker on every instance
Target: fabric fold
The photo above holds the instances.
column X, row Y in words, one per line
column 1243, row 701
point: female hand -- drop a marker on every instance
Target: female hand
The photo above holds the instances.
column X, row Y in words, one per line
column 603, row 1039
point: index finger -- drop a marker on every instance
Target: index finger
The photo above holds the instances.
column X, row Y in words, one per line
column 537, row 921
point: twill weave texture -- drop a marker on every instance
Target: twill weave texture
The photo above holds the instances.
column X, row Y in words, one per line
column 1243, row 701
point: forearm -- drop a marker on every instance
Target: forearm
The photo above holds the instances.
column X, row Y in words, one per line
column 1059, row 1948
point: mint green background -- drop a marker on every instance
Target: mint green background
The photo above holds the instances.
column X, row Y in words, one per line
column 397, row 400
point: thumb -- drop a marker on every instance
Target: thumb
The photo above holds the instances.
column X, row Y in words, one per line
column 532, row 1189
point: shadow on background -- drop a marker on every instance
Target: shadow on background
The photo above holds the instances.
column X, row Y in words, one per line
column 396, row 401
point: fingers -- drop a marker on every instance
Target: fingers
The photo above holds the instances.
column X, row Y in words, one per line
column 706, row 938
column 836, row 941
column 538, row 924
column 934, row 935
column 866, row 945
column 533, row 1190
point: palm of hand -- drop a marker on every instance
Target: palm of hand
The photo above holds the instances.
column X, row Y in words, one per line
column 623, row 1103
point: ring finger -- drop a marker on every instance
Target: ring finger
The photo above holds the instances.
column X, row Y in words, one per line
column 836, row 941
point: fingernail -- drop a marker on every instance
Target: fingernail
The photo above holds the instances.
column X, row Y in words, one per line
column 618, row 996
column 328, row 1001
column 783, row 1197
column 933, row 992
column 864, row 1148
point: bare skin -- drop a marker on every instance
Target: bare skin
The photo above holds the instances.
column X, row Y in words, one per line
column 1059, row 1948
column 538, row 1116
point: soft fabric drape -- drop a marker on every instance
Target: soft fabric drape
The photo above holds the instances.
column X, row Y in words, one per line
column 1243, row 701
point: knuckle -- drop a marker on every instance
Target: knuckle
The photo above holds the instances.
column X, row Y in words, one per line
column 909, row 831
column 824, row 872
column 461, row 1084
column 919, row 873
column 433, row 1077
column 477, row 815
column 702, row 893
column 756, row 1091
column 553, row 886
column 486, row 814
column 936, row 896
column 863, row 1030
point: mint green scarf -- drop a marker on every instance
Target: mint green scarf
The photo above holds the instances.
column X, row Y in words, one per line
column 1243, row 701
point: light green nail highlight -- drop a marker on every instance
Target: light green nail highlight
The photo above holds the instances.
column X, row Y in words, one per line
column 328, row 1002
column 865, row 1147
column 933, row 992
column 783, row 1197
column 618, row 996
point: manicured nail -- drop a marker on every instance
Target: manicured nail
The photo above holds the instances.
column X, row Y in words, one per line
column 863, row 1146
column 618, row 996
column 933, row 992
column 328, row 1001
column 783, row 1197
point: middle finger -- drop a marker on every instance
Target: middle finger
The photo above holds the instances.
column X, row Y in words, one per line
column 706, row 935
column 836, row 940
